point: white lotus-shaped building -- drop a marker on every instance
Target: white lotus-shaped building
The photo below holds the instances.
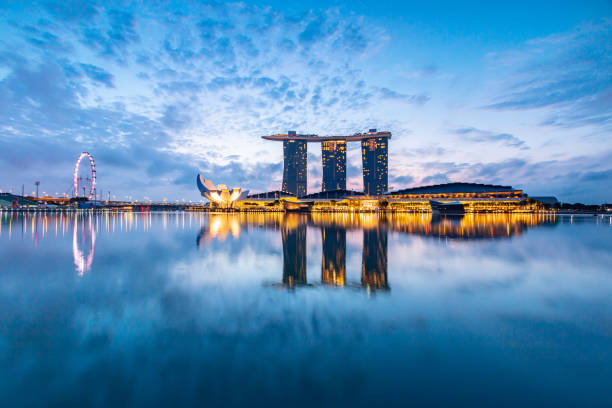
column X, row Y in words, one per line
column 220, row 196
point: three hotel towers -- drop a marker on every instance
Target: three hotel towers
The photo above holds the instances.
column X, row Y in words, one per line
column 374, row 154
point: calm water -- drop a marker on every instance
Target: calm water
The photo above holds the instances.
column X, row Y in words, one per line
column 345, row 310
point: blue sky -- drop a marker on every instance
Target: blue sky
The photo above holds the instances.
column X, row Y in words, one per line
column 516, row 93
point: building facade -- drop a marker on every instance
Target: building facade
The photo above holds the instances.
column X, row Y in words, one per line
column 295, row 172
column 375, row 158
column 375, row 148
column 220, row 196
column 333, row 156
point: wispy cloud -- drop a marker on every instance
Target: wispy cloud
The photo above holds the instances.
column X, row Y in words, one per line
column 484, row 136
column 187, row 79
column 98, row 74
column 568, row 179
column 571, row 72
column 386, row 93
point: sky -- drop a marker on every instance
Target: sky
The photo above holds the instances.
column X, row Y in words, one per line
column 512, row 93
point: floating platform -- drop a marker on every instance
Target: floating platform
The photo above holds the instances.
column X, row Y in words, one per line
column 452, row 208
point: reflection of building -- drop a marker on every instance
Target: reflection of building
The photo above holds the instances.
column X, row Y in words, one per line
column 333, row 155
column 469, row 226
column 333, row 264
column 220, row 196
column 219, row 227
column 294, row 250
column 295, row 173
column 374, row 259
column 374, row 227
column 375, row 153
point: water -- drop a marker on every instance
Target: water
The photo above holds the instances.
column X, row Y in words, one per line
column 344, row 310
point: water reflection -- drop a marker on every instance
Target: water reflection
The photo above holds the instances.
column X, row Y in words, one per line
column 469, row 226
column 333, row 265
column 293, row 230
column 374, row 228
column 219, row 227
column 86, row 235
column 479, row 298
column 85, row 227
column 374, row 264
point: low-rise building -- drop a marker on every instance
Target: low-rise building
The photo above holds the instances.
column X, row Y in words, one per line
column 474, row 197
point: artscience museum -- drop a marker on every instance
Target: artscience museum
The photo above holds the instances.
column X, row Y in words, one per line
column 220, row 196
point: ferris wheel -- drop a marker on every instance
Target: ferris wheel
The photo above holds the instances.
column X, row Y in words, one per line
column 87, row 184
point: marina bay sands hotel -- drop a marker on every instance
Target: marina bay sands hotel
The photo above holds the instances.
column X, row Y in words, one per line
column 374, row 153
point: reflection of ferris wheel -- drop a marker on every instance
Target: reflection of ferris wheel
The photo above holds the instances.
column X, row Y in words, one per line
column 81, row 261
column 87, row 184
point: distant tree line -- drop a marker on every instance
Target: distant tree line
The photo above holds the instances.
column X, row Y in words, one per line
column 579, row 207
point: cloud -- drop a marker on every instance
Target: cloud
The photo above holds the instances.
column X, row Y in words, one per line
column 44, row 126
column 353, row 38
column 400, row 181
column 576, row 178
column 420, row 152
column 37, row 97
column 166, row 91
column 386, row 93
column 46, row 41
column 497, row 171
column 315, row 31
column 110, row 34
column 122, row 27
column 483, row 136
column 175, row 117
column 98, row 74
column 425, row 72
column 597, row 176
column 71, row 10
column 438, row 178
column 179, row 87
column 259, row 176
column 571, row 72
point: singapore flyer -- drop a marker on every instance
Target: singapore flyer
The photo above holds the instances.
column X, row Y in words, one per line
column 88, row 183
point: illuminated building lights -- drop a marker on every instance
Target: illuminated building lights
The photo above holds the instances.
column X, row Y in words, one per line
column 220, row 196
column 295, row 171
column 333, row 156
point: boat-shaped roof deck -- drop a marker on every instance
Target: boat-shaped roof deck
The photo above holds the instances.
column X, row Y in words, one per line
column 318, row 139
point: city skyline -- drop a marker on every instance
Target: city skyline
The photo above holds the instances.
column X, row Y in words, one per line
column 160, row 93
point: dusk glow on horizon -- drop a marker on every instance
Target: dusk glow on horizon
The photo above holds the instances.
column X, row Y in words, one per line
column 518, row 95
